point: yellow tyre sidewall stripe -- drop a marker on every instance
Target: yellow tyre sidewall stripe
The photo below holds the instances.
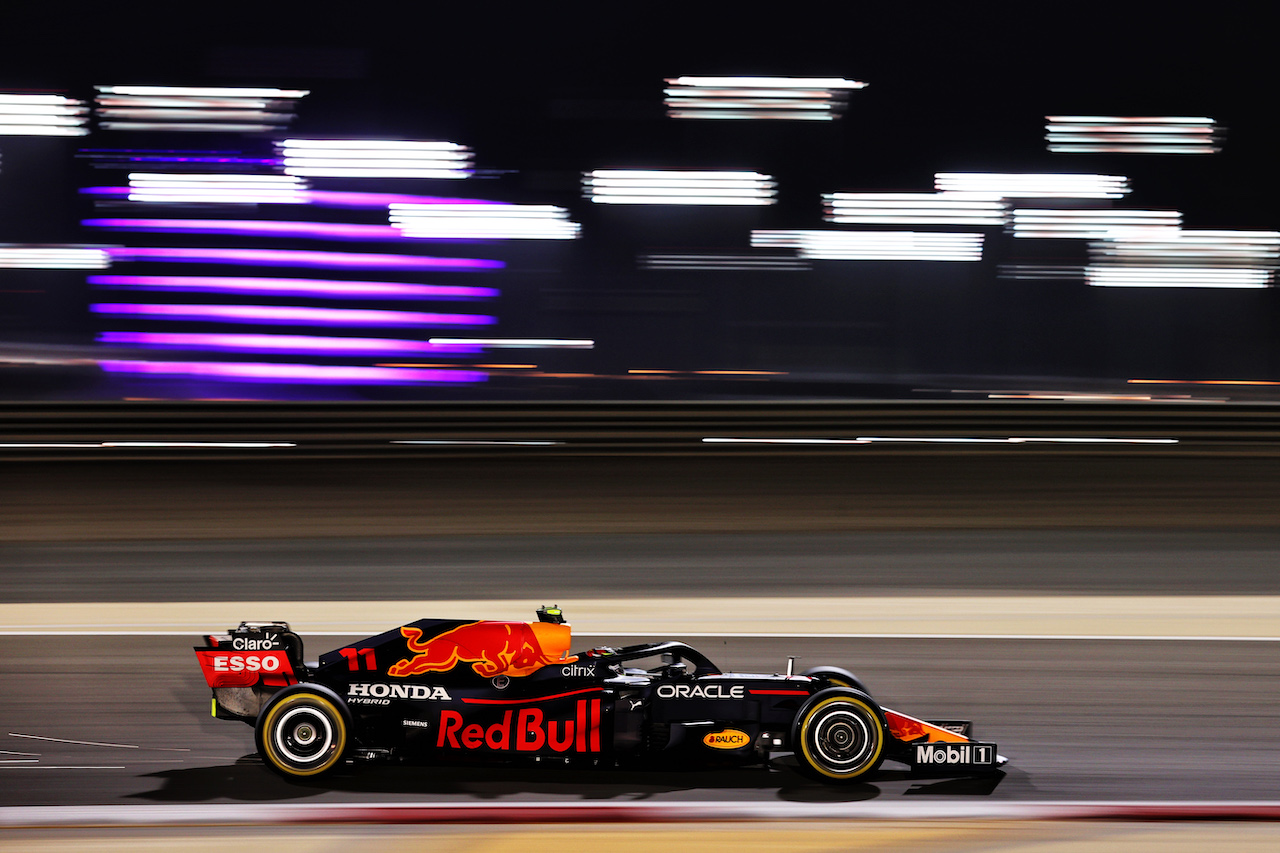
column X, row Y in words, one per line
column 876, row 728
column 335, row 718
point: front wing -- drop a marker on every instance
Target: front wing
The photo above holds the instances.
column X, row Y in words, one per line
column 939, row 746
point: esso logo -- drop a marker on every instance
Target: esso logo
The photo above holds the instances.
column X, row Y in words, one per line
column 246, row 663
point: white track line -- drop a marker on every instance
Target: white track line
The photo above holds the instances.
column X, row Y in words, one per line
column 925, row 616
column 623, row 812
column 98, row 743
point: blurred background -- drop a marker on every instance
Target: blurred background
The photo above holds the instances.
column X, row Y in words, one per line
column 834, row 203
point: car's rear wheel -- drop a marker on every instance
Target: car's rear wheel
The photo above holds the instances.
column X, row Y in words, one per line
column 302, row 733
column 839, row 735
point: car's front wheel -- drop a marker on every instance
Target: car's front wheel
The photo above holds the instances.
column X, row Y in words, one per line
column 303, row 732
column 839, row 735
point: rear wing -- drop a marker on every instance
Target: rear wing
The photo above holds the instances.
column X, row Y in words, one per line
column 247, row 665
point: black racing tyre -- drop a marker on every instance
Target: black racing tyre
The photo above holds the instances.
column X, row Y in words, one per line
column 839, row 735
column 304, row 731
column 837, row 677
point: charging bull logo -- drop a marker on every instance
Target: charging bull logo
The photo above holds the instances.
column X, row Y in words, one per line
column 909, row 729
column 492, row 648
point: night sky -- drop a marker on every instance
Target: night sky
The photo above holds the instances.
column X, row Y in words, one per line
column 952, row 86
column 542, row 94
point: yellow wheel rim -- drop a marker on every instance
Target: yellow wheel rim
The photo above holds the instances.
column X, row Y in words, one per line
column 302, row 729
column 816, row 747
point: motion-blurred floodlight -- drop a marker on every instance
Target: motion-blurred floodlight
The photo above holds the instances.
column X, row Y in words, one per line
column 323, row 374
column 1078, row 223
column 1132, row 135
column 1219, row 259
column 1215, row 277
column 217, row 188
column 375, row 158
column 1256, row 249
column 689, row 261
column 974, row 209
column 280, row 344
column 484, row 221
column 1006, row 185
column 195, row 109
column 54, row 257
column 875, row 245
column 42, row 115
column 659, row 187
column 288, row 314
column 770, row 98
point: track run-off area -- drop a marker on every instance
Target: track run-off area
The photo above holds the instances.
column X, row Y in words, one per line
column 1111, row 621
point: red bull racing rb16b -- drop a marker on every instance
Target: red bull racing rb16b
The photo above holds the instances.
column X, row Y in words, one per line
column 443, row 691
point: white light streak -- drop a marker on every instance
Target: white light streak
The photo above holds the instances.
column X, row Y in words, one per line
column 823, row 441
column 866, row 439
column 768, row 98
column 54, row 257
column 1041, row 272
column 875, row 245
column 195, row 109
column 517, row 343
column 375, row 158
column 710, row 261
column 1033, row 185
column 54, row 445
column 914, row 209
column 1257, row 249
column 484, row 221
column 1094, row 224
column 1015, row 440
column 479, row 442
column 197, row 92
column 1131, row 135
column 218, row 188
column 632, row 186
column 1167, row 276
column 42, row 115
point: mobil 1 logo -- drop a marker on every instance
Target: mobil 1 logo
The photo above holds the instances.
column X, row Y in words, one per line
column 955, row 754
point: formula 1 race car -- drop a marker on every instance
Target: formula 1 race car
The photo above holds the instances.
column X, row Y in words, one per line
column 450, row 691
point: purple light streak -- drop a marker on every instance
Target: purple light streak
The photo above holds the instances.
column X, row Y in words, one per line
column 289, row 258
column 312, row 374
column 310, row 287
column 267, row 228
column 327, row 198
column 283, row 344
column 289, row 314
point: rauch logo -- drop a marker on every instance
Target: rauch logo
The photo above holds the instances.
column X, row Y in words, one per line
column 727, row 739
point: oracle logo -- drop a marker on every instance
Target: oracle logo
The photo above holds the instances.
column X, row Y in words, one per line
column 700, row 691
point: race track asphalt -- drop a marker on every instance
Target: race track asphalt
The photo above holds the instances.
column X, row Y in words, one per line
column 1079, row 718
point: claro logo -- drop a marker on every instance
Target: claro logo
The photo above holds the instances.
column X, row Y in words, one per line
column 700, row 691
column 727, row 739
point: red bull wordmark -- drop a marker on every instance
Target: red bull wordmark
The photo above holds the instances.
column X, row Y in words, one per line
column 531, row 732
